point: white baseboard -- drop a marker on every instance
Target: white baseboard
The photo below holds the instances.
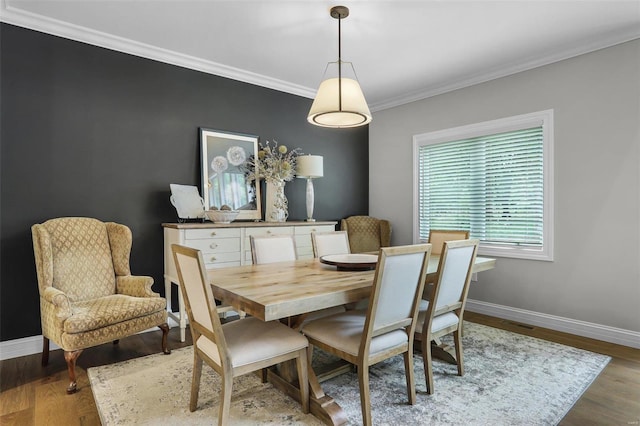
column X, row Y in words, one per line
column 605, row 333
column 32, row 345
column 21, row 347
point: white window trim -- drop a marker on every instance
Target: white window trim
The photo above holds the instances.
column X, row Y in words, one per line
column 544, row 118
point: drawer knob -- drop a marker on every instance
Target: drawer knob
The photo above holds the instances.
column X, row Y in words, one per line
column 213, row 258
column 213, row 234
column 213, row 245
column 268, row 232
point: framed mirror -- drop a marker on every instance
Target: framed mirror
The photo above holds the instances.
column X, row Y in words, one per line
column 225, row 172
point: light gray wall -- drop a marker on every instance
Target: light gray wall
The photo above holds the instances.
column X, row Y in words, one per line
column 595, row 276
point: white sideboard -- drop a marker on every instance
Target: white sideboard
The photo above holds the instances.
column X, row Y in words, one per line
column 224, row 245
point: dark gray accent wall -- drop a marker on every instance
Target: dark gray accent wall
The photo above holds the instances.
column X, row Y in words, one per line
column 87, row 131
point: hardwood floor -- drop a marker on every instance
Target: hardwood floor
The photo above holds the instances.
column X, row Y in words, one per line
column 35, row 395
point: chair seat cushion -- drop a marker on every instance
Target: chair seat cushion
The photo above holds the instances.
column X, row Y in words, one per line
column 344, row 332
column 105, row 311
column 250, row 340
column 440, row 322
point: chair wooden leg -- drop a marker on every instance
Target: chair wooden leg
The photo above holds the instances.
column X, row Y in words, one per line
column 195, row 381
column 428, row 368
column 225, row 399
column 408, row 371
column 165, row 334
column 45, row 351
column 457, row 339
column 303, row 379
column 71, row 357
column 365, row 398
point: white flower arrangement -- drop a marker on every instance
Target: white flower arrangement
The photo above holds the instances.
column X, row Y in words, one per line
column 274, row 163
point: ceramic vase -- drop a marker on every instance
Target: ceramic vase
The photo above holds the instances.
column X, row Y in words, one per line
column 276, row 204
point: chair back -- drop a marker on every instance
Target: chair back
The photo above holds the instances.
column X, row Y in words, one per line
column 454, row 275
column 270, row 249
column 437, row 238
column 74, row 255
column 324, row 243
column 198, row 298
column 397, row 289
column 366, row 233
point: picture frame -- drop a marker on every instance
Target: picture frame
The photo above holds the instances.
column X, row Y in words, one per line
column 225, row 172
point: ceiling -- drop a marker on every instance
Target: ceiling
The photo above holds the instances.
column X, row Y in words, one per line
column 402, row 51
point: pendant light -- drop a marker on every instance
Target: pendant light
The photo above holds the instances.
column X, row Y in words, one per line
column 339, row 101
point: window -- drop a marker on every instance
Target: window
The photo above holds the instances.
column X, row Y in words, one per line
column 494, row 179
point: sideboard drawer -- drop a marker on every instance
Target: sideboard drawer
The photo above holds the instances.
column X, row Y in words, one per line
column 216, row 245
column 269, row 230
column 199, row 234
column 211, row 259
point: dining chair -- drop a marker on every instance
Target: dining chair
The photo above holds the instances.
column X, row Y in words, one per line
column 272, row 248
column 237, row 347
column 386, row 328
column 282, row 248
column 443, row 313
column 366, row 233
column 437, row 237
column 325, row 243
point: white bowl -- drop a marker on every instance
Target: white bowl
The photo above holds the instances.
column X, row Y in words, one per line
column 221, row 216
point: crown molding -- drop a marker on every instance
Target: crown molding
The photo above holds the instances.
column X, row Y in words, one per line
column 591, row 46
column 22, row 18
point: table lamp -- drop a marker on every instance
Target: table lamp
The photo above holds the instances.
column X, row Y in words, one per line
column 309, row 167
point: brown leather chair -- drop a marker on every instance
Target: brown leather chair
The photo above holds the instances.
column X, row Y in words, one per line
column 87, row 293
column 366, row 233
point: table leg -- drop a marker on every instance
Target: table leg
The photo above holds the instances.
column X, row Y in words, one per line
column 321, row 405
column 181, row 318
column 443, row 351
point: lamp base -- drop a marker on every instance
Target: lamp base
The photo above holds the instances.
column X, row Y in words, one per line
column 309, row 220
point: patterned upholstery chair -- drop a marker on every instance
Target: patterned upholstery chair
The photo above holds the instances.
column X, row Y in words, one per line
column 366, row 233
column 87, row 293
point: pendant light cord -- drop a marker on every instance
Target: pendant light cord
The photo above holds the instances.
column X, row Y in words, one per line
column 339, row 64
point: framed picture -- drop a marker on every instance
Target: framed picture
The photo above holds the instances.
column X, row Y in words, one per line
column 226, row 175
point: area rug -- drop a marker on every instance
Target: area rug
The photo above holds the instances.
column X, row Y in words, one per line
column 510, row 379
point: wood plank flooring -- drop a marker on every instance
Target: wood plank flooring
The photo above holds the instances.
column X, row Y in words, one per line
column 35, row 395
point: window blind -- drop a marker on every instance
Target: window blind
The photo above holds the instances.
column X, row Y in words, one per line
column 491, row 185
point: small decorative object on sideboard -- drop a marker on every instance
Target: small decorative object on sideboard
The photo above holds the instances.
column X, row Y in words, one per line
column 187, row 201
column 222, row 215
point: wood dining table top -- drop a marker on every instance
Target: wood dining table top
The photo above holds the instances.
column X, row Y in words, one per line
column 279, row 290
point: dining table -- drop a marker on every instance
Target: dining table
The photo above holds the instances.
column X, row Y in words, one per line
column 291, row 289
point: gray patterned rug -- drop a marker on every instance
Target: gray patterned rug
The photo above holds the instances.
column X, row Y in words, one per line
column 509, row 379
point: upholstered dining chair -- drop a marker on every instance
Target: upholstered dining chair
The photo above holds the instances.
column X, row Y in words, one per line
column 437, row 237
column 87, row 293
column 325, row 243
column 443, row 313
column 282, row 248
column 386, row 328
column 272, row 248
column 237, row 347
column 366, row 233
